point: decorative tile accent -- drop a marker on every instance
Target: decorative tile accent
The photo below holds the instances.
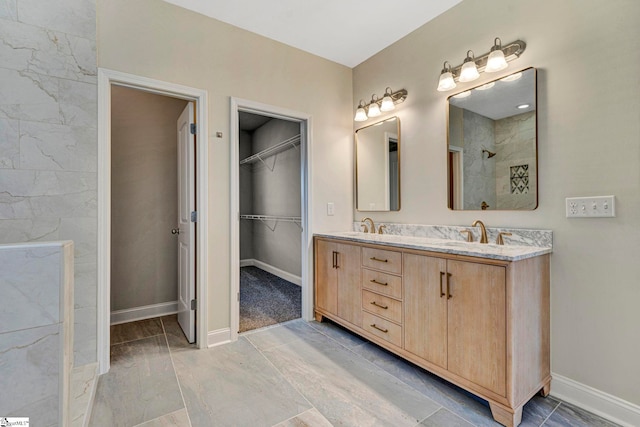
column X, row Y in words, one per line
column 519, row 179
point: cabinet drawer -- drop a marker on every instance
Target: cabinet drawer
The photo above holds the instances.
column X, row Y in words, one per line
column 382, row 328
column 382, row 306
column 382, row 283
column 381, row 259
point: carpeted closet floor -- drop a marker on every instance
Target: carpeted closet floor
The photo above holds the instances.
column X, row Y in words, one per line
column 266, row 299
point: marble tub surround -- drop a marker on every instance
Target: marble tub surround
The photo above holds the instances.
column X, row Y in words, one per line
column 36, row 331
column 519, row 237
column 48, row 139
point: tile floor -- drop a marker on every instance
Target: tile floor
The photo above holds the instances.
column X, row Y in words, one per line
column 293, row 374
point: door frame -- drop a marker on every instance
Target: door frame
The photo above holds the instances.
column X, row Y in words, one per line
column 107, row 78
column 238, row 105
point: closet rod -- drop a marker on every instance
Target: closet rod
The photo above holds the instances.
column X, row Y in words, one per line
column 273, row 150
column 277, row 218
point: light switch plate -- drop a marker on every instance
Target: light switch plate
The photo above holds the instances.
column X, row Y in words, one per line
column 591, row 207
column 331, row 209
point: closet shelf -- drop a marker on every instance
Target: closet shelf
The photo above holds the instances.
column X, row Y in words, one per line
column 271, row 151
column 275, row 218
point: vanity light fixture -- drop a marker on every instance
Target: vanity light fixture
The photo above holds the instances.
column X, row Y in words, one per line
column 378, row 106
column 387, row 103
column 446, row 81
column 469, row 71
column 361, row 114
column 495, row 60
column 374, row 108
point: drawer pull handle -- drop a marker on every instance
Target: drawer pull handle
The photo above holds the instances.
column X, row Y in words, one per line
column 378, row 283
column 373, row 325
column 378, row 259
column 384, row 307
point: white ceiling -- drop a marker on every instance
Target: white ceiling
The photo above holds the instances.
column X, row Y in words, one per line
column 344, row 31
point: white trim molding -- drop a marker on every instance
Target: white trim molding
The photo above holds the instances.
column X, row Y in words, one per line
column 593, row 400
column 106, row 78
column 306, row 155
column 218, row 337
column 296, row 280
column 145, row 312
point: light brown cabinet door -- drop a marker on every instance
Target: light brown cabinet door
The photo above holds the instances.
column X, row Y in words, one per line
column 425, row 308
column 477, row 324
column 326, row 277
column 349, row 294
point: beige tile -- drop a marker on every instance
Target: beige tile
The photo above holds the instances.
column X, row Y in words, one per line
column 176, row 419
column 135, row 330
column 311, row 418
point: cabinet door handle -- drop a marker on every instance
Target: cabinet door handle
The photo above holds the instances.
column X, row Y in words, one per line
column 334, row 256
column 337, row 259
column 384, row 307
column 373, row 325
column 442, row 273
column 378, row 259
column 378, row 283
column 449, row 296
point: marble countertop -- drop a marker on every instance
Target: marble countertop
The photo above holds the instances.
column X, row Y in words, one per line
column 482, row 250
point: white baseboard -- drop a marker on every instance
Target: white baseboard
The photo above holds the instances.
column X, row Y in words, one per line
column 600, row 403
column 218, row 337
column 296, row 280
column 145, row 312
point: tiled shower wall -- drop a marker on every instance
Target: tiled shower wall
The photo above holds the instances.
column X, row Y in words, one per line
column 48, row 139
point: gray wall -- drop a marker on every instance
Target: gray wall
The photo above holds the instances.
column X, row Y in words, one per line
column 275, row 192
column 144, row 198
column 588, row 133
column 48, row 140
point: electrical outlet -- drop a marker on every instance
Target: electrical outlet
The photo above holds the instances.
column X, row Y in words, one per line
column 591, row 207
column 330, row 209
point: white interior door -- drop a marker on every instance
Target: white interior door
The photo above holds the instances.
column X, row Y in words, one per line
column 186, row 235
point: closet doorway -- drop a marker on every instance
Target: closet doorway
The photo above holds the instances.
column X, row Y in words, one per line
column 270, row 238
column 152, row 199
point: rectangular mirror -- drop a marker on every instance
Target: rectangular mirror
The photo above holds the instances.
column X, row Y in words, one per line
column 492, row 145
column 378, row 166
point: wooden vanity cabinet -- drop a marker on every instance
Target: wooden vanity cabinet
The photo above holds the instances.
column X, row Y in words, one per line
column 337, row 267
column 480, row 323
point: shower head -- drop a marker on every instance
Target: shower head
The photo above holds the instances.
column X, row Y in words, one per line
column 490, row 154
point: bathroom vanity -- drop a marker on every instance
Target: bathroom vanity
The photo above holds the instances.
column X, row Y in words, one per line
column 474, row 314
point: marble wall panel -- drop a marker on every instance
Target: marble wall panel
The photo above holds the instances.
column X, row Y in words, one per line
column 27, row 48
column 31, row 366
column 479, row 171
column 9, row 9
column 77, row 17
column 45, row 146
column 30, row 284
column 29, row 229
column 9, row 144
column 25, row 95
column 48, row 70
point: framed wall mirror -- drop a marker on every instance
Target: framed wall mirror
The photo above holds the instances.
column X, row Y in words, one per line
column 378, row 166
column 492, row 145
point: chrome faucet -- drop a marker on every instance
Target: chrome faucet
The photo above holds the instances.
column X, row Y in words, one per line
column 483, row 230
column 372, row 226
